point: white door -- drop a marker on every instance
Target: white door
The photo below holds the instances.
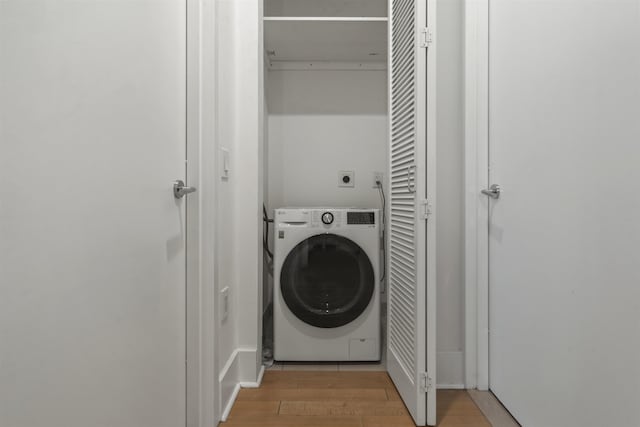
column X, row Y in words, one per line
column 92, row 248
column 564, row 235
column 411, row 264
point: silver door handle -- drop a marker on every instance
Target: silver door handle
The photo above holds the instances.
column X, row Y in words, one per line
column 179, row 189
column 493, row 191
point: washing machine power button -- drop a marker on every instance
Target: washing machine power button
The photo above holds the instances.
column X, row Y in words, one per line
column 327, row 218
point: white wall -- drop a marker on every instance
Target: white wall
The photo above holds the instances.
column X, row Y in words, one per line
column 239, row 254
column 227, row 331
column 247, row 177
column 320, row 123
column 450, row 208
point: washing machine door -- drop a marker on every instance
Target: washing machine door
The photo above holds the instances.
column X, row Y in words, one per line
column 327, row 281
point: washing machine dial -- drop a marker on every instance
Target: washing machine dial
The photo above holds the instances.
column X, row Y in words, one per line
column 327, row 218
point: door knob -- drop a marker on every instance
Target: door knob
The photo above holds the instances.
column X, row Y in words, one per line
column 493, row 191
column 179, row 189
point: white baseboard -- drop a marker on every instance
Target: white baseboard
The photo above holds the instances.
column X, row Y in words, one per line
column 229, row 384
column 230, row 402
column 254, row 384
column 240, row 370
column 249, row 364
column 450, row 365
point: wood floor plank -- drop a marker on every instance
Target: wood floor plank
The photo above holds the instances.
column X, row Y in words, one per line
column 361, row 366
column 249, row 408
column 293, row 421
column 450, row 395
column 348, row 380
column 313, row 367
column 339, row 379
column 279, row 379
column 392, row 393
column 463, row 421
column 388, row 421
column 304, row 379
column 358, row 408
column 313, row 394
column 458, row 403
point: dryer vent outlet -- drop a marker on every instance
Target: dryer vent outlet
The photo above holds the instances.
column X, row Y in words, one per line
column 346, row 179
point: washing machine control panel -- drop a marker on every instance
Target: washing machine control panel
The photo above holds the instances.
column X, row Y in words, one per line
column 327, row 218
column 361, row 218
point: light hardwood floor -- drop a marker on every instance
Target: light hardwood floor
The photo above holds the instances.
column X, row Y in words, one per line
column 340, row 399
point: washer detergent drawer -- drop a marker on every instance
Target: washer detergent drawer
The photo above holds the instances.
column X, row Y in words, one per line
column 364, row 349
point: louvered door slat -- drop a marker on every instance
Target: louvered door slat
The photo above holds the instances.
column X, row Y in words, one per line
column 403, row 153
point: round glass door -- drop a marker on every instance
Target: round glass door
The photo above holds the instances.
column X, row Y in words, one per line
column 327, row 281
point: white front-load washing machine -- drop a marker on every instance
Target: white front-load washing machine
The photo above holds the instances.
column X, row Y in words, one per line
column 327, row 284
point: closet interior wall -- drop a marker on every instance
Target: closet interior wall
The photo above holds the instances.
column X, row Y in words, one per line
column 321, row 123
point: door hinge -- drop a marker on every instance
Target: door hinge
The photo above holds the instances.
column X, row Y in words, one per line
column 426, row 382
column 426, row 37
column 426, row 209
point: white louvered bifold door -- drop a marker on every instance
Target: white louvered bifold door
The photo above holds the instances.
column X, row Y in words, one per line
column 411, row 226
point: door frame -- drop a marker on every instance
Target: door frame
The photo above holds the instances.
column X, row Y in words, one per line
column 202, row 387
column 476, row 168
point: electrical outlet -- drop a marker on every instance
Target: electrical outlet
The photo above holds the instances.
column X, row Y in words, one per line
column 224, row 302
column 346, row 179
column 378, row 177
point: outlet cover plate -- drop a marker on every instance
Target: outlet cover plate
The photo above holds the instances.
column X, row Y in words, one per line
column 377, row 176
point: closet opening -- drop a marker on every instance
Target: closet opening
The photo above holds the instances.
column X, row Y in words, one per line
column 325, row 162
column 348, row 168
